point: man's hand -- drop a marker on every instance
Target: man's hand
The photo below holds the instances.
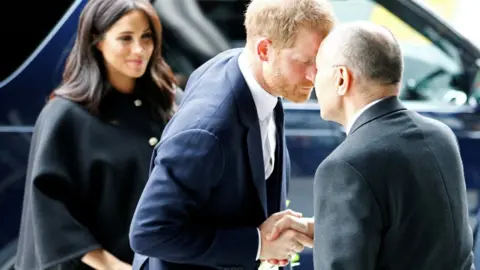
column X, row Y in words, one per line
column 290, row 241
column 102, row 259
column 300, row 224
column 286, row 222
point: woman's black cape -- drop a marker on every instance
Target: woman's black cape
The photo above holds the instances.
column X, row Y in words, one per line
column 84, row 178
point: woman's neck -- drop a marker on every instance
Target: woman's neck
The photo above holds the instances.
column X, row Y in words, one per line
column 122, row 83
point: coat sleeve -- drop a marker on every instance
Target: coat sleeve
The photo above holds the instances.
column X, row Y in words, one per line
column 51, row 234
column 347, row 219
column 186, row 168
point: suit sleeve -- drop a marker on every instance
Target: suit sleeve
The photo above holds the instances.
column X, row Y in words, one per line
column 186, row 168
column 347, row 219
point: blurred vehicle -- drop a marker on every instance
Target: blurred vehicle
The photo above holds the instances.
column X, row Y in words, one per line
column 441, row 80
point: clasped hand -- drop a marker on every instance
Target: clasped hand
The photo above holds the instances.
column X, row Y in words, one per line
column 283, row 235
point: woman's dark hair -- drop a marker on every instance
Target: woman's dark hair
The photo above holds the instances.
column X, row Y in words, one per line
column 84, row 77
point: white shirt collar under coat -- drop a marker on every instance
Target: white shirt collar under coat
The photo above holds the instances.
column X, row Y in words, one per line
column 264, row 101
column 358, row 113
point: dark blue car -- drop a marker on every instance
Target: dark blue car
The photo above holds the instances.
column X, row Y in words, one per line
column 441, row 80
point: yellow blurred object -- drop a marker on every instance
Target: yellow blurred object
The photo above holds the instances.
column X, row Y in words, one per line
column 402, row 31
column 288, row 202
column 295, row 258
column 445, row 9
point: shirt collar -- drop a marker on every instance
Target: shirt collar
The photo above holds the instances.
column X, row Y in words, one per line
column 358, row 113
column 264, row 101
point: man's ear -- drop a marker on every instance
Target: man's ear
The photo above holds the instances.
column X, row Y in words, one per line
column 262, row 47
column 343, row 80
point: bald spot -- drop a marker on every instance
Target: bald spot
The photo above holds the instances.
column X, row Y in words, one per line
column 370, row 51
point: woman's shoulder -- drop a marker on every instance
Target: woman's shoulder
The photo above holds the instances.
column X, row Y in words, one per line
column 59, row 108
column 62, row 114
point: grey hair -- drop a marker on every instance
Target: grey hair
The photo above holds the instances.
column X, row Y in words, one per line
column 371, row 52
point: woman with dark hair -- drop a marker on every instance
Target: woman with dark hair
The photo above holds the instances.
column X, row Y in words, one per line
column 92, row 143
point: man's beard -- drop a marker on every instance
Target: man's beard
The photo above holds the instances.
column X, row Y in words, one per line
column 280, row 86
column 278, row 83
column 292, row 92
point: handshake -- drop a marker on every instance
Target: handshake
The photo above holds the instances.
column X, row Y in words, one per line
column 284, row 234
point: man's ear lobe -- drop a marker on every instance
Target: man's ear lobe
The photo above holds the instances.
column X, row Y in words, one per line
column 342, row 81
column 262, row 47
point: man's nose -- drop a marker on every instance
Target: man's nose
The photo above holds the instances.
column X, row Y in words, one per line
column 311, row 73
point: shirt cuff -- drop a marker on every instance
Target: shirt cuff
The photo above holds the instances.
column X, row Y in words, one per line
column 259, row 245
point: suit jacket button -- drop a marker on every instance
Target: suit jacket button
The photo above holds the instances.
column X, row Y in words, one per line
column 137, row 102
column 153, row 141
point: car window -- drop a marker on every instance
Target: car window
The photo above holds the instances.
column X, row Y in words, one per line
column 228, row 17
column 460, row 14
column 304, row 119
column 476, row 87
column 21, row 39
column 429, row 71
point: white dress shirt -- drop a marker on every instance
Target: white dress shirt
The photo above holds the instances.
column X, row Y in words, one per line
column 264, row 103
column 358, row 113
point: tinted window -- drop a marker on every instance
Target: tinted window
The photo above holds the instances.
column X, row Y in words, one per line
column 227, row 17
column 430, row 71
column 304, row 119
column 32, row 21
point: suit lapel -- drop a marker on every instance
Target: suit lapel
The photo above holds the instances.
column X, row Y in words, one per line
column 279, row 164
column 386, row 106
column 256, row 163
column 249, row 117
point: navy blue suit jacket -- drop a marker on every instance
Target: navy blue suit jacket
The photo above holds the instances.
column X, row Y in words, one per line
column 207, row 193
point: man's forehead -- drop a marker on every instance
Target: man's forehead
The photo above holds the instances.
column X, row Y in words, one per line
column 306, row 52
column 308, row 39
column 323, row 48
